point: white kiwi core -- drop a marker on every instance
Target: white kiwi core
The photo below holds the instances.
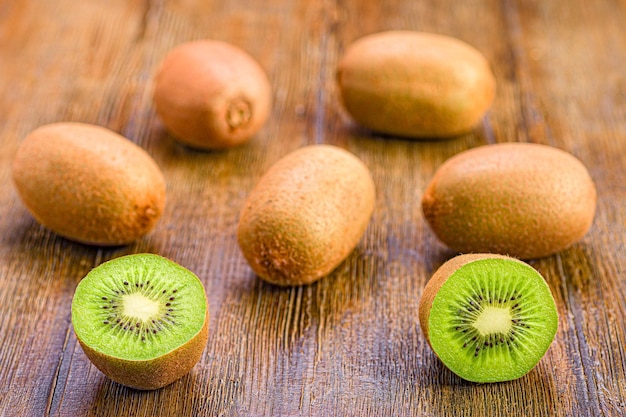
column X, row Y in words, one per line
column 138, row 306
column 494, row 320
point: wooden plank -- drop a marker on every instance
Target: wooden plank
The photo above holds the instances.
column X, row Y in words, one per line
column 349, row 344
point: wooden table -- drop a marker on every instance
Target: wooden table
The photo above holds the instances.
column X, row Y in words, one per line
column 350, row 344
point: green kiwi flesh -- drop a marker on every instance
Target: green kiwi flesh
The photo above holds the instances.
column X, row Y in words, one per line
column 492, row 320
column 141, row 319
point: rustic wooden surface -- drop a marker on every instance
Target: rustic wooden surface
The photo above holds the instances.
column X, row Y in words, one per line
column 348, row 345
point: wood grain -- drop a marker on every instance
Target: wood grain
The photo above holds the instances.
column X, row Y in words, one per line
column 350, row 344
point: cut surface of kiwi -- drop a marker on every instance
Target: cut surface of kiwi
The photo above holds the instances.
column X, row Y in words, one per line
column 488, row 318
column 141, row 319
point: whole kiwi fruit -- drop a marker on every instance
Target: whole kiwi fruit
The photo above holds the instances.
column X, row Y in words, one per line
column 489, row 318
column 415, row 84
column 521, row 199
column 141, row 319
column 211, row 94
column 88, row 183
column 306, row 214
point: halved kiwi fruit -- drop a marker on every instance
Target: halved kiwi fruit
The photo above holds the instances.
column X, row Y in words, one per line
column 489, row 318
column 141, row 319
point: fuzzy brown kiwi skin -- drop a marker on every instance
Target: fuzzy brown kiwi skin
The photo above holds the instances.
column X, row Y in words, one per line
column 211, row 95
column 306, row 214
column 89, row 184
column 152, row 374
column 439, row 278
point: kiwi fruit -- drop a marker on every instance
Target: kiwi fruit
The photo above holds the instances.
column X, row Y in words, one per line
column 524, row 200
column 489, row 318
column 415, row 84
column 306, row 215
column 88, row 183
column 211, row 94
column 141, row 319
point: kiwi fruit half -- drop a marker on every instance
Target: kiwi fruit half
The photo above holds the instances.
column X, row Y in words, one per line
column 141, row 319
column 489, row 318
